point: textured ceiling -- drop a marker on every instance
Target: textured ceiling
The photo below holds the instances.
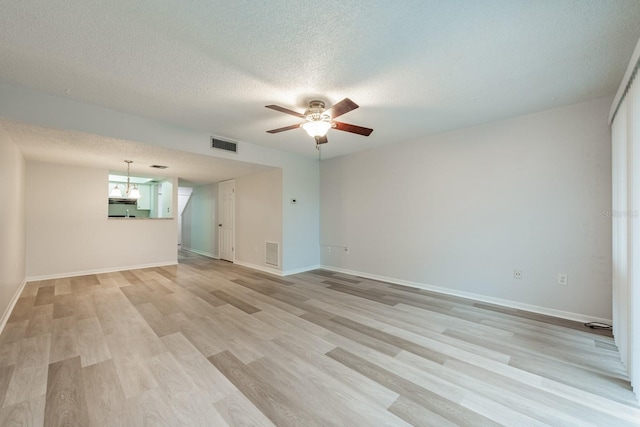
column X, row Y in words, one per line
column 82, row 149
column 415, row 67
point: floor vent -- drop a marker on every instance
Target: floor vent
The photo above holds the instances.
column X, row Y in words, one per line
column 224, row 145
column 271, row 254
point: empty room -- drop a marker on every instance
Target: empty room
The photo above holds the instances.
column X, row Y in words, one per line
column 338, row 213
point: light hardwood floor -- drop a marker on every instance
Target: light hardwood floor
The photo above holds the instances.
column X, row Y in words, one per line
column 207, row 343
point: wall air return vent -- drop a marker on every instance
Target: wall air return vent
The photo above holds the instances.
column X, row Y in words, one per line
column 224, row 145
column 271, row 250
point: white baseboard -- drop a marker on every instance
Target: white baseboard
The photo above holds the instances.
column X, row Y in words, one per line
column 203, row 253
column 276, row 271
column 98, row 271
column 259, row 267
column 300, row 270
column 578, row 317
column 12, row 304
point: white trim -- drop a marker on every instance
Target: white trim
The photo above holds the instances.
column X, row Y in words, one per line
column 233, row 244
column 259, row 267
column 301, row 270
column 635, row 57
column 12, row 304
column 203, row 253
column 98, row 271
column 583, row 318
column 278, row 272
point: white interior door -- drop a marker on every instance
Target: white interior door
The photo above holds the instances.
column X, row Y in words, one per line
column 226, row 224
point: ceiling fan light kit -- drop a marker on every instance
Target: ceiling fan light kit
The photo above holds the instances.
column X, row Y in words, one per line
column 319, row 120
column 317, row 128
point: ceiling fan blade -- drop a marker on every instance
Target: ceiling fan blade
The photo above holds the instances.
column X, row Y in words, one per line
column 285, row 110
column 352, row 128
column 284, row 128
column 341, row 108
column 321, row 139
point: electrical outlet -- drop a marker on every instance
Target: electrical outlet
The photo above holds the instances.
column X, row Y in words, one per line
column 517, row 274
column 563, row 279
column 328, row 248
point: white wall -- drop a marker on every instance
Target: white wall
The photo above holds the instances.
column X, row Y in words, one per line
column 12, row 222
column 199, row 221
column 300, row 174
column 462, row 210
column 301, row 181
column 68, row 231
column 184, row 194
column 258, row 217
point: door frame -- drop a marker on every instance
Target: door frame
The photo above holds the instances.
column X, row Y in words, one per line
column 233, row 228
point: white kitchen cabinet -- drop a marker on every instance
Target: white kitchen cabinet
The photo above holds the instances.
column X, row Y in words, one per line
column 144, row 202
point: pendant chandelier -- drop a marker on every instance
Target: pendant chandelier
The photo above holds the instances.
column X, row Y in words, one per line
column 131, row 191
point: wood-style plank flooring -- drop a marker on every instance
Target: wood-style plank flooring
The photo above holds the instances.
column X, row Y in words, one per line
column 208, row 343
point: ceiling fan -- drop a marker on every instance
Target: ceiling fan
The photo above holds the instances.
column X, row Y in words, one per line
column 319, row 120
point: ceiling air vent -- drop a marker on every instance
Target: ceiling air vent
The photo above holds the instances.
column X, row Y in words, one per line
column 224, row 145
column 158, row 166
